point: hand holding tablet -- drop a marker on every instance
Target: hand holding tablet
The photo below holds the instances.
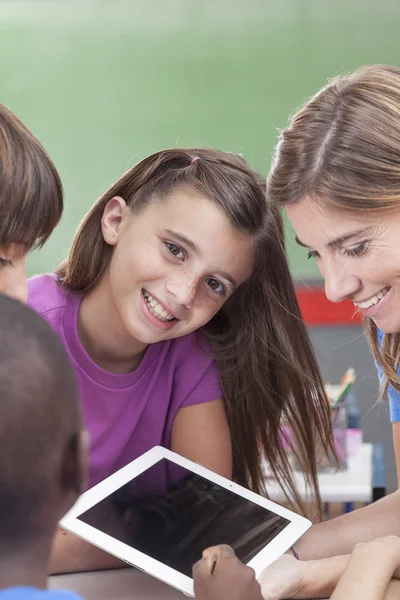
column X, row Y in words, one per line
column 220, row 575
column 165, row 534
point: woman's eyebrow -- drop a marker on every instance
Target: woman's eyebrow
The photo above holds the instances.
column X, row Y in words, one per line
column 340, row 240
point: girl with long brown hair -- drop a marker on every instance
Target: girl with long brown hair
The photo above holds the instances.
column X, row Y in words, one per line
column 337, row 173
column 177, row 307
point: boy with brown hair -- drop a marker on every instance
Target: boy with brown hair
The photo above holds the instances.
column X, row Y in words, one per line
column 31, row 200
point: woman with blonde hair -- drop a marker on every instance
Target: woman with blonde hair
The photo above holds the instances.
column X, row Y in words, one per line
column 337, row 173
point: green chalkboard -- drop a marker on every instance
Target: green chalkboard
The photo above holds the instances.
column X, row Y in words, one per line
column 103, row 83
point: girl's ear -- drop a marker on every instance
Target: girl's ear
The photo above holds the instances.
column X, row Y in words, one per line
column 114, row 215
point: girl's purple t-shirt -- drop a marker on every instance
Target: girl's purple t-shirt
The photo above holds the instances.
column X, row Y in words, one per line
column 126, row 415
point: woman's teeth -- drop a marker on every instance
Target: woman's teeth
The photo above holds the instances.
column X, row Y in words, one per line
column 374, row 300
column 156, row 309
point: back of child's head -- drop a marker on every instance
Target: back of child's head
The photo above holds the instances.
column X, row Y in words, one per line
column 266, row 363
column 31, row 197
column 40, row 425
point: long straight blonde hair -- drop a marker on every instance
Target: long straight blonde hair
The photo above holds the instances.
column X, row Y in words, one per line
column 342, row 148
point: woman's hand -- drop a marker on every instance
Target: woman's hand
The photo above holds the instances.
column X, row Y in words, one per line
column 382, row 549
column 370, row 570
column 291, row 578
column 284, row 578
column 220, row 575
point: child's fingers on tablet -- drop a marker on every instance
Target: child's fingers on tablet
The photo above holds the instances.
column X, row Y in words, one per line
column 210, row 552
column 203, row 567
column 210, row 563
column 221, row 551
column 217, row 555
column 231, row 579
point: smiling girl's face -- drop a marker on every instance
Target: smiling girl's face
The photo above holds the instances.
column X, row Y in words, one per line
column 358, row 257
column 175, row 263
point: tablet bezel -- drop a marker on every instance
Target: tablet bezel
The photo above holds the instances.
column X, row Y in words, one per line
column 296, row 527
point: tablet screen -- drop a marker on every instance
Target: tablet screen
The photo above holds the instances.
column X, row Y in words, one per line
column 194, row 513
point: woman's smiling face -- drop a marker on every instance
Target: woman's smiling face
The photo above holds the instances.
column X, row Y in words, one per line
column 358, row 255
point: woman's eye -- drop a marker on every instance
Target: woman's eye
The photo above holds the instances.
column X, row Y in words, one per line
column 215, row 285
column 312, row 254
column 357, row 250
column 175, row 250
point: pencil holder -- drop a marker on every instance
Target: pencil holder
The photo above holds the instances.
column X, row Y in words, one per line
column 327, row 464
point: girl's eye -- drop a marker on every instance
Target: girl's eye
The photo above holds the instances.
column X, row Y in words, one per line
column 215, row 285
column 175, row 250
column 312, row 254
column 357, row 250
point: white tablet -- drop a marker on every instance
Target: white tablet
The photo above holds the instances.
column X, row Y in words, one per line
column 161, row 511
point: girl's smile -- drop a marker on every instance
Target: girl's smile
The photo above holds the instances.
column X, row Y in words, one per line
column 174, row 264
column 157, row 314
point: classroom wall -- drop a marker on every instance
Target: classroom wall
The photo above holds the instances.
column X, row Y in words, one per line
column 104, row 83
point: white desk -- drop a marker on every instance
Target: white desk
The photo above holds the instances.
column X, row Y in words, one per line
column 116, row 584
column 352, row 485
